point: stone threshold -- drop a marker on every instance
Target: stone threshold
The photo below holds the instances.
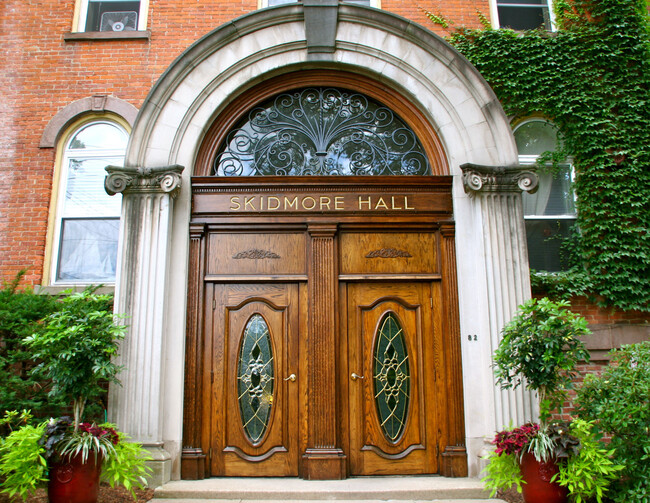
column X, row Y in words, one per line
column 355, row 489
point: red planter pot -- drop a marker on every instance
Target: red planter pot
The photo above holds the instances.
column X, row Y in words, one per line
column 538, row 487
column 72, row 481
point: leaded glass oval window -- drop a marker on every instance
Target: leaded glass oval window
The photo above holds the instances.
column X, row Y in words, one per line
column 391, row 377
column 321, row 131
column 255, row 378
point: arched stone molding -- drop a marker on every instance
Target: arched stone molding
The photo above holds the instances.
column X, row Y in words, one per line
column 99, row 104
column 455, row 99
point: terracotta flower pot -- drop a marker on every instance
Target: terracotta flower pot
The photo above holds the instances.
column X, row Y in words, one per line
column 72, row 481
column 538, row 487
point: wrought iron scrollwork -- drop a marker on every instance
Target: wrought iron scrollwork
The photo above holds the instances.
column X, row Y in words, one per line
column 321, row 131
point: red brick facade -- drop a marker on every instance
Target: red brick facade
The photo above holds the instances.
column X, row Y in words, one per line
column 43, row 72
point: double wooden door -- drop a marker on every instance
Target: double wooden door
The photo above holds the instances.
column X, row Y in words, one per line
column 388, row 399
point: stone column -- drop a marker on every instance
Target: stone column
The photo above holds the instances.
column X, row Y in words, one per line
column 498, row 192
column 144, row 248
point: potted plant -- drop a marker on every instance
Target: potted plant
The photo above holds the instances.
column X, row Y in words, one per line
column 75, row 347
column 540, row 349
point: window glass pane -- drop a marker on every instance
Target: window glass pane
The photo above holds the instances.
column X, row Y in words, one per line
column 280, row 2
column 523, row 18
column 553, row 197
column 321, row 131
column 536, row 137
column 544, row 239
column 99, row 136
column 84, row 194
column 88, row 249
column 112, row 15
column 255, row 378
column 391, row 377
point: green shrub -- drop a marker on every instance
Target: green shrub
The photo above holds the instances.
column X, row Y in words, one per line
column 76, row 346
column 22, row 461
column 541, row 344
column 619, row 402
column 20, row 312
column 590, row 472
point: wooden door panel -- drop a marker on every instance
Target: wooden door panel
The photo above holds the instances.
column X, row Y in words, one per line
column 384, row 440
column 256, row 334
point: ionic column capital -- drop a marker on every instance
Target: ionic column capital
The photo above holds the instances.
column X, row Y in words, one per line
column 164, row 179
column 518, row 178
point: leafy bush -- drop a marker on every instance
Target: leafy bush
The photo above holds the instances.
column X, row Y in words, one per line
column 22, row 461
column 20, row 313
column 541, row 345
column 590, row 471
column 619, row 402
column 126, row 467
column 75, row 347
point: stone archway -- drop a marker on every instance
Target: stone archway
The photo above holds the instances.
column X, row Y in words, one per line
column 197, row 87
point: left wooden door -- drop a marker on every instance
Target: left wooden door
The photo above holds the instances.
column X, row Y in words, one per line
column 255, row 376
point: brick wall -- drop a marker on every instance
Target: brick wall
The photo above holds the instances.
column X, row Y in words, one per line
column 42, row 73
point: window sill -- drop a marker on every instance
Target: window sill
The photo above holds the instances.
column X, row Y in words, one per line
column 58, row 289
column 107, row 35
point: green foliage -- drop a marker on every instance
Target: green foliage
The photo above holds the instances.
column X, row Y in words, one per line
column 22, row 461
column 619, row 402
column 76, row 345
column 126, row 467
column 20, row 312
column 592, row 79
column 541, row 345
column 589, row 473
column 502, row 472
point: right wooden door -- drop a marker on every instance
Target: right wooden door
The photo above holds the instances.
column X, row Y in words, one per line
column 391, row 373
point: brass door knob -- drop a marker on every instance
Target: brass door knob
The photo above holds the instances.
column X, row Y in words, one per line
column 356, row 376
column 291, row 378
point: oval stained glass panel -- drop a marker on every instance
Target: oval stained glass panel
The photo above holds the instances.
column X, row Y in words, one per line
column 391, row 377
column 255, row 378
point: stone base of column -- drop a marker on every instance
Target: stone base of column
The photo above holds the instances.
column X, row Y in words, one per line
column 160, row 464
column 324, row 464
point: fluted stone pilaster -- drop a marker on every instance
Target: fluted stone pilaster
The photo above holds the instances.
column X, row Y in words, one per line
column 497, row 189
column 144, row 248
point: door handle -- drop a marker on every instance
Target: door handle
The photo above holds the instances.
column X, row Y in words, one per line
column 291, row 378
column 354, row 376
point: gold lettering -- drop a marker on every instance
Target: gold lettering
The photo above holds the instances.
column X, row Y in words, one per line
column 338, row 202
column 325, row 202
column 362, row 202
column 275, row 200
column 304, row 206
column 292, row 204
column 406, row 203
column 248, row 201
column 392, row 198
column 381, row 203
column 234, row 203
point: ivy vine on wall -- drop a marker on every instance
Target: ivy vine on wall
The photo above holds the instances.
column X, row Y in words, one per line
column 592, row 79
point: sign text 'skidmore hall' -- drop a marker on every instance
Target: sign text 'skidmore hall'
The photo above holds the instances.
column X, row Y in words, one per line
column 320, row 203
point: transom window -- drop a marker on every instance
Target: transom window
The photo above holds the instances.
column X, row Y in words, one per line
column 550, row 212
column 321, row 131
column 112, row 15
column 524, row 14
column 87, row 223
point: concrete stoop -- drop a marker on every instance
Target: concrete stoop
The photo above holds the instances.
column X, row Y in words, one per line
column 352, row 490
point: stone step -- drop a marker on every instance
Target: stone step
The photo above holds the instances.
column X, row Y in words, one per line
column 353, row 490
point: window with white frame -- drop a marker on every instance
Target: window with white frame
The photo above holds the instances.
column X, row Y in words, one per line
column 87, row 218
column 550, row 213
column 524, row 14
column 273, row 3
column 112, row 15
